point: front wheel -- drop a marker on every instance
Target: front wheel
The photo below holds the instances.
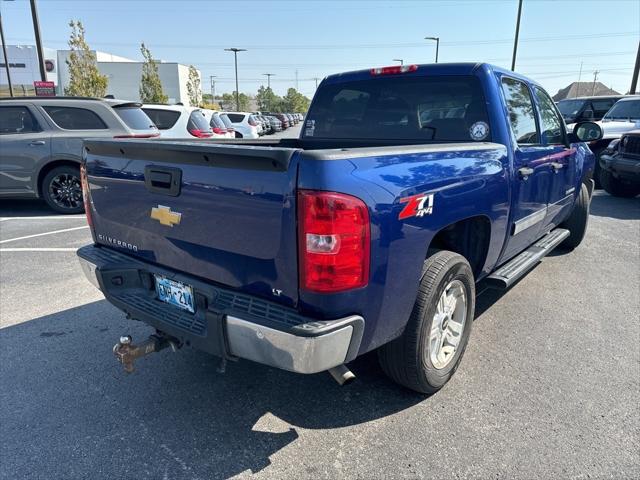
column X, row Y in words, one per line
column 62, row 191
column 578, row 221
column 429, row 351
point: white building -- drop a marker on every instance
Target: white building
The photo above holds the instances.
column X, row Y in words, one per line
column 123, row 74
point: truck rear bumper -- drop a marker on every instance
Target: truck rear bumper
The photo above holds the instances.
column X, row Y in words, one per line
column 226, row 322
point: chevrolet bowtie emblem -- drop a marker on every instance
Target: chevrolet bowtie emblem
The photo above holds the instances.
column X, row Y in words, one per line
column 165, row 216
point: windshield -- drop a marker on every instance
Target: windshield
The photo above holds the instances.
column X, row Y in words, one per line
column 624, row 110
column 570, row 108
column 442, row 108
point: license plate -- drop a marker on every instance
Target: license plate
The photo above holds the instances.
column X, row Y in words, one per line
column 175, row 293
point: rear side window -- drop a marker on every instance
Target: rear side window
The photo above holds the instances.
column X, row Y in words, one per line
column 197, row 121
column 442, row 108
column 17, row 120
column 134, row 118
column 521, row 113
column 163, row 119
column 551, row 124
column 73, row 118
column 236, row 117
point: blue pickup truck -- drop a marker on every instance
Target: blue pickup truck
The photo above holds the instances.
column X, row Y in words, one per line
column 407, row 186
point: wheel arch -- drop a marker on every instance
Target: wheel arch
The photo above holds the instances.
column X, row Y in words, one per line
column 46, row 168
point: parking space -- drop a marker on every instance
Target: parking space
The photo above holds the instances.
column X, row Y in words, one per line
column 549, row 385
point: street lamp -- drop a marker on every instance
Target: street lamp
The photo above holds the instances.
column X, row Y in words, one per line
column 235, row 58
column 437, row 40
column 399, row 60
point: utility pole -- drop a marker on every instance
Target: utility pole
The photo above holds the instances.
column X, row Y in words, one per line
column 636, row 70
column 296, row 79
column 235, row 59
column 399, row 60
column 6, row 59
column 268, row 75
column 515, row 42
column 437, row 40
column 213, row 88
column 316, row 79
column 579, row 76
column 36, row 31
column 595, row 77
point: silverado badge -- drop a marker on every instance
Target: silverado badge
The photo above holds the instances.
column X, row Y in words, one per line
column 165, row 216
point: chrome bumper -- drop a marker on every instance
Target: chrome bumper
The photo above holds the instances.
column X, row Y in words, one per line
column 310, row 347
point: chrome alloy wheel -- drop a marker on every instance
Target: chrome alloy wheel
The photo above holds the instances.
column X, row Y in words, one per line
column 65, row 191
column 448, row 324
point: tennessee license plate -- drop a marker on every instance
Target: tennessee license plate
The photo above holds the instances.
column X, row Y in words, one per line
column 175, row 293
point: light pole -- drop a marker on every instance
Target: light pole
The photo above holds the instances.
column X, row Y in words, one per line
column 213, row 88
column 399, row 60
column 515, row 41
column 6, row 59
column 269, row 75
column 235, row 58
column 36, row 30
column 437, row 40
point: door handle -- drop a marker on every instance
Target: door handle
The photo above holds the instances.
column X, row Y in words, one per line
column 35, row 143
column 557, row 166
column 524, row 172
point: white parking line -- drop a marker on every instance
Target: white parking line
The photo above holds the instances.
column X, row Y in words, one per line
column 44, row 217
column 52, row 249
column 42, row 234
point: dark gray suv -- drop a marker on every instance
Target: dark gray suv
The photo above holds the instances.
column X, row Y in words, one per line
column 41, row 143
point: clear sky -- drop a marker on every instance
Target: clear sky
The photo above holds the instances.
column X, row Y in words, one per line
column 317, row 38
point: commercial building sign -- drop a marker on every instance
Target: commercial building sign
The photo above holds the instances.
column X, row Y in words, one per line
column 45, row 89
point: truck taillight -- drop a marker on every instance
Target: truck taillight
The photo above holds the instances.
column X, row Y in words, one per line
column 393, row 70
column 84, row 182
column 333, row 241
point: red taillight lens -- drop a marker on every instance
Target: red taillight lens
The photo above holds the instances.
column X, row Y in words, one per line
column 333, row 241
column 219, row 131
column 85, row 193
column 201, row 133
column 231, row 130
column 395, row 69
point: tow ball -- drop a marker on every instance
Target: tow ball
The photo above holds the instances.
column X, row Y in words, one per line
column 127, row 353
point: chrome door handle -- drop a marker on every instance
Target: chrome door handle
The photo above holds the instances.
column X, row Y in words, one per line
column 35, row 143
column 557, row 166
column 524, row 172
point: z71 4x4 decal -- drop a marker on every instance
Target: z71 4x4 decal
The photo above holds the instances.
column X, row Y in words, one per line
column 417, row 206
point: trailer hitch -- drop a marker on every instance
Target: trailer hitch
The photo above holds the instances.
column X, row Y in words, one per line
column 127, row 353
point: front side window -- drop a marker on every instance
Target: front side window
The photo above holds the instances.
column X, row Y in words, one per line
column 73, row 118
column 521, row 112
column 17, row 120
column 417, row 108
column 551, row 124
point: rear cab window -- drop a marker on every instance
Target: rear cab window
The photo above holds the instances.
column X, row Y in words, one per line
column 163, row 119
column 421, row 109
column 17, row 120
column 75, row 118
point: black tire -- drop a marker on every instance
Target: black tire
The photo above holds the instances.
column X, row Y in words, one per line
column 62, row 191
column 578, row 221
column 616, row 187
column 407, row 359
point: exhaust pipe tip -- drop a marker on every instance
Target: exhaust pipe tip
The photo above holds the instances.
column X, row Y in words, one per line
column 342, row 375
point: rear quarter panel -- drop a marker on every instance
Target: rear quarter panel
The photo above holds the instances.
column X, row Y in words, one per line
column 466, row 180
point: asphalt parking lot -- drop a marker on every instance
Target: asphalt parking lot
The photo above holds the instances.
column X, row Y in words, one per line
column 549, row 386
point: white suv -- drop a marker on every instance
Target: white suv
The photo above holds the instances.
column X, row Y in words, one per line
column 245, row 124
column 179, row 121
column 220, row 129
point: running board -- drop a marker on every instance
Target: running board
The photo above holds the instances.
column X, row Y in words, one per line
column 516, row 268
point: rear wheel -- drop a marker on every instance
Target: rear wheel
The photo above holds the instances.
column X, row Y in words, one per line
column 62, row 191
column 578, row 220
column 429, row 351
column 616, row 187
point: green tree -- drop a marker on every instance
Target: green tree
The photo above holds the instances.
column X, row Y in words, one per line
column 150, row 84
column 193, row 87
column 229, row 101
column 84, row 78
column 294, row 101
column 267, row 100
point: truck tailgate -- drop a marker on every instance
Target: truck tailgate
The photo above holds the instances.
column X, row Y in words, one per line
column 225, row 213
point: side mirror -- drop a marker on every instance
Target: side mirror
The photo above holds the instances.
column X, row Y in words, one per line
column 587, row 131
column 587, row 115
